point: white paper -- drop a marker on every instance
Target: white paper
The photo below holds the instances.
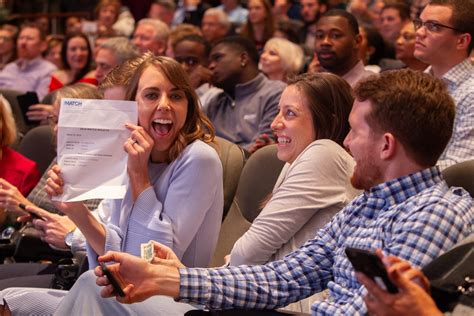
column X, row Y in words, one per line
column 91, row 134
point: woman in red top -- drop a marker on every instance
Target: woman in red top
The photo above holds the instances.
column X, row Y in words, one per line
column 14, row 167
column 76, row 55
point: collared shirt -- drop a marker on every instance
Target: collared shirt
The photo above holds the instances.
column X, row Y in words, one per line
column 28, row 75
column 415, row 217
column 237, row 16
column 460, row 84
column 250, row 114
column 357, row 73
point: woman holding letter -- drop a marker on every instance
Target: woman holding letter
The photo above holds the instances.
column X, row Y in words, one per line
column 174, row 194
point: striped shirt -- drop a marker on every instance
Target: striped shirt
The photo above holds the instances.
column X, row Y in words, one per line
column 415, row 217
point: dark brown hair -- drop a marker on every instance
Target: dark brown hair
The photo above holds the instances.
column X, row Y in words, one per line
column 197, row 125
column 330, row 102
column 64, row 48
column 248, row 31
column 462, row 17
column 413, row 106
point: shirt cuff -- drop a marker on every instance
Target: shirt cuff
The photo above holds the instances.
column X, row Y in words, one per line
column 195, row 286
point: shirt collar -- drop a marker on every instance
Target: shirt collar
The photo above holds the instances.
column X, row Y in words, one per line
column 250, row 86
column 27, row 63
column 459, row 73
column 400, row 189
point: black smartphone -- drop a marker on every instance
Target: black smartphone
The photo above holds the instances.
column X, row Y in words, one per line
column 33, row 215
column 370, row 264
column 112, row 279
column 25, row 101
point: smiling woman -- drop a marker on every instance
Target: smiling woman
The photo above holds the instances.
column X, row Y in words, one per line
column 76, row 56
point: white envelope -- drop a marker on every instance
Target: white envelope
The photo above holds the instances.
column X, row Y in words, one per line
column 91, row 134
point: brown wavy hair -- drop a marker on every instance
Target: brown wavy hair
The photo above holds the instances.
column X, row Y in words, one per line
column 197, row 125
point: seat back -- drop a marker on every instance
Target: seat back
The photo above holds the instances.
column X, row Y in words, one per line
column 11, row 95
column 37, row 145
column 233, row 159
column 461, row 175
column 256, row 182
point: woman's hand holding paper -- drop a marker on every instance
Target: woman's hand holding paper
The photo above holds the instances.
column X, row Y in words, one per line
column 138, row 147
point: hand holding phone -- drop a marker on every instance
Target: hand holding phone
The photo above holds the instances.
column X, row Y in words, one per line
column 33, row 215
column 25, row 101
column 112, row 279
column 370, row 264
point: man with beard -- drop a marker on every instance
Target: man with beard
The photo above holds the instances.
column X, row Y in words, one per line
column 407, row 210
column 249, row 101
column 444, row 40
column 311, row 11
column 337, row 46
column 30, row 72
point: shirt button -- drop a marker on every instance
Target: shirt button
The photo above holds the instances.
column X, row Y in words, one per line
column 343, row 284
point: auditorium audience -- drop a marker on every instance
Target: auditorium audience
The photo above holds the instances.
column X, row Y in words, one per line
column 236, row 13
column 314, row 183
column 394, row 165
column 311, row 11
column 15, row 169
column 53, row 52
column 249, row 101
column 260, row 24
column 444, row 40
column 162, row 10
column 76, row 56
column 281, row 59
column 215, row 25
column 337, row 46
column 405, row 47
column 111, row 53
column 53, row 227
column 151, row 35
column 392, row 19
column 8, row 34
column 30, row 72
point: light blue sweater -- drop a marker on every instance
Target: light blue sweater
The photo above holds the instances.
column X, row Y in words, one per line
column 182, row 209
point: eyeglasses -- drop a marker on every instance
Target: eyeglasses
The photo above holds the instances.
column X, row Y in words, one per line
column 52, row 120
column 431, row 26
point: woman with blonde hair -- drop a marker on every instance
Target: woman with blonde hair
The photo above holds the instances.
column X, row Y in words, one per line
column 15, row 168
column 281, row 59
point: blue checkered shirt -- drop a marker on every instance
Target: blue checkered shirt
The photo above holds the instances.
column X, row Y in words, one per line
column 460, row 83
column 415, row 217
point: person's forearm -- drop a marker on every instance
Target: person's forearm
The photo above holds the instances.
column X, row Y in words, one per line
column 166, row 280
column 92, row 229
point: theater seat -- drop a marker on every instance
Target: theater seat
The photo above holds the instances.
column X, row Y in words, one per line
column 461, row 175
column 37, row 145
column 256, row 182
column 233, row 159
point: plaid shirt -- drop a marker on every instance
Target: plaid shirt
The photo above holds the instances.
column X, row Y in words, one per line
column 415, row 217
column 460, row 83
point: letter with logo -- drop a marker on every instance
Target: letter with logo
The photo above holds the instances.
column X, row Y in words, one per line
column 90, row 151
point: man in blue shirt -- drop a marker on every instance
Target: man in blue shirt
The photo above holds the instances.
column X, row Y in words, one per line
column 444, row 40
column 406, row 210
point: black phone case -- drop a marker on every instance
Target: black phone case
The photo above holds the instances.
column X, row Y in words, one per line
column 112, row 280
column 370, row 264
column 25, row 101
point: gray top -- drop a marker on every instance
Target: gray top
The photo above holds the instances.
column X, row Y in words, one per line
column 243, row 119
column 182, row 209
column 306, row 195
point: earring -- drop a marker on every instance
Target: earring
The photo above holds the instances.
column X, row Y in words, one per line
column 242, row 64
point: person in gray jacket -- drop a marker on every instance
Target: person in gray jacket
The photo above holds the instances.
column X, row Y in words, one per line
column 249, row 102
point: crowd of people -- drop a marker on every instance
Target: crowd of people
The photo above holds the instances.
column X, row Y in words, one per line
column 366, row 102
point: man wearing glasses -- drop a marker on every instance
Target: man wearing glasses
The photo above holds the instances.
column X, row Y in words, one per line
column 444, row 39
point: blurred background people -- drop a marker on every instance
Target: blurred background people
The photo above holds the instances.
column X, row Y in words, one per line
column 53, row 52
column 76, row 55
column 260, row 25
column 281, row 59
column 8, row 34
